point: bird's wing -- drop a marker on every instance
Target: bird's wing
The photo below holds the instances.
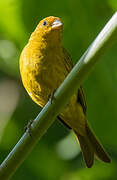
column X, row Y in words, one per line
column 69, row 65
column 81, row 99
column 68, row 60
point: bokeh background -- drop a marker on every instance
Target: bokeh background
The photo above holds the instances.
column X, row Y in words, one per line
column 57, row 156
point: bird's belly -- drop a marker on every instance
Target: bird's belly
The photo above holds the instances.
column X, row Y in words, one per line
column 41, row 83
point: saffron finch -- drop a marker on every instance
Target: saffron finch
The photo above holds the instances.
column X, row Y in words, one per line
column 44, row 64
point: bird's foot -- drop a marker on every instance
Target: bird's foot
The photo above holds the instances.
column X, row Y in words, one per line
column 51, row 97
column 27, row 128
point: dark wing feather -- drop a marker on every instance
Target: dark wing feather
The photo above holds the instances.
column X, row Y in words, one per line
column 58, row 117
column 81, row 99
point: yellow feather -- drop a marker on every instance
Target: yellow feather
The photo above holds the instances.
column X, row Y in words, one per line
column 44, row 64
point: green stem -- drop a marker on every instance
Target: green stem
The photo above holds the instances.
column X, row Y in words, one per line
column 70, row 85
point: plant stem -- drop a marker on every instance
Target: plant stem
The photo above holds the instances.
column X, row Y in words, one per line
column 61, row 97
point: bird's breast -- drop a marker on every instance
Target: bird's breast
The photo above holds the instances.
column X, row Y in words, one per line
column 42, row 74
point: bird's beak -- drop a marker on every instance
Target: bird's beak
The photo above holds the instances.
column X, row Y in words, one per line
column 56, row 24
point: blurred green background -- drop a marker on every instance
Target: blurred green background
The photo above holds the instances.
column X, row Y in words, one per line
column 57, row 156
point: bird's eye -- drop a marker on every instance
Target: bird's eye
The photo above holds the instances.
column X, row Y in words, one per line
column 44, row 23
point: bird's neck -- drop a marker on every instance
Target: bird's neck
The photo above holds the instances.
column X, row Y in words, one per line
column 45, row 44
column 52, row 40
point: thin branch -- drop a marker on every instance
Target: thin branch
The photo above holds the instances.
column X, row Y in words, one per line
column 70, row 85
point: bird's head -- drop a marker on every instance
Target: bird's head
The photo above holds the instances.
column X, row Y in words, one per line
column 49, row 29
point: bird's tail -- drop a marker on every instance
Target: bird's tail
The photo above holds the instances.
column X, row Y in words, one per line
column 90, row 146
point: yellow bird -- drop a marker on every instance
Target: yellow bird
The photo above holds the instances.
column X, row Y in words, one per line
column 44, row 64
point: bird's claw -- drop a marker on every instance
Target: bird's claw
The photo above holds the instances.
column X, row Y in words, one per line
column 51, row 97
column 27, row 128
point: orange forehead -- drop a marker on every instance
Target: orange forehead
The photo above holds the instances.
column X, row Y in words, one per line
column 50, row 19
